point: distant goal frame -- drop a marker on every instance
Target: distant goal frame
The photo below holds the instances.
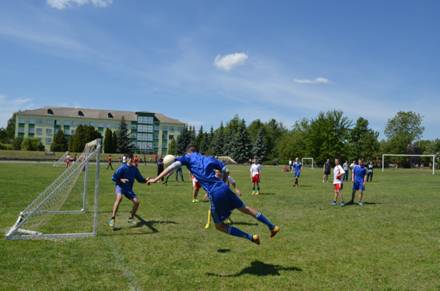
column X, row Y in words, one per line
column 308, row 158
column 433, row 156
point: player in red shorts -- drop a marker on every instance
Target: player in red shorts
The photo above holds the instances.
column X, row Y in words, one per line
column 196, row 188
column 255, row 177
column 338, row 174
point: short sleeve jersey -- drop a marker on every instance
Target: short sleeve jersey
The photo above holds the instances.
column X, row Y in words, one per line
column 255, row 169
column 338, row 171
column 359, row 173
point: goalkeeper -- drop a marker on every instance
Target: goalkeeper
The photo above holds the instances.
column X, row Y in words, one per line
column 124, row 178
column 223, row 199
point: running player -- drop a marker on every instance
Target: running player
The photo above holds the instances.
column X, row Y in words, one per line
column 223, row 199
column 327, row 168
column 338, row 175
column 255, row 177
column 109, row 162
column 196, row 188
column 359, row 178
column 124, row 178
column 296, row 170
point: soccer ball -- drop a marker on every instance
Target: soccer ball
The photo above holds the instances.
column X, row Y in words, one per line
column 168, row 160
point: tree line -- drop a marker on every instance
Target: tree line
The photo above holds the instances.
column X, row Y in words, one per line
column 328, row 135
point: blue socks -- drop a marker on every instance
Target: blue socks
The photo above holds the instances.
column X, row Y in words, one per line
column 237, row 232
column 260, row 217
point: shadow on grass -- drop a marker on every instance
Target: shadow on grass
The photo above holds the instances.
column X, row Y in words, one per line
column 150, row 224
column 365, row 203
column 258, row 268
column 266, row 193
column 223, row 251
column 244, row 223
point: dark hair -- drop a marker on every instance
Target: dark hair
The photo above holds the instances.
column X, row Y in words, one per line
column 130, row 156
column 192, row 148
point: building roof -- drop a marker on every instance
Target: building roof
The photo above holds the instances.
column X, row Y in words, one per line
column 93, row 113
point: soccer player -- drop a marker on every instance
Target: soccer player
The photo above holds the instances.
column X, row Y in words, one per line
column 327, row 168
column 296, row 170
column 255, row 171
column 109, row 162
column 359, row 178
column 346, row 168
column 223, row 199
column 68, row 160
column 160, row 166
column 196, row 188
column 338, row 174
column 370, row 171
column 124, row 178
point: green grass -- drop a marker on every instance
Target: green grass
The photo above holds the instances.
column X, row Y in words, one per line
column 391, row 243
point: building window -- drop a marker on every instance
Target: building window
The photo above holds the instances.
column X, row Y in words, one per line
column 145, row 119
column 39, row 131
column 48, row 140
column 50, row 111
column 109, row 115
column 80, row 113
column 48, row 131
column 31, row 129
column 66, row 129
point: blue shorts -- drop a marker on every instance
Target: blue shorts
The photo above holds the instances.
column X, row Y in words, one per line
column 223, row 201
column 127, row 193
column 358, row 186
column 297, row 174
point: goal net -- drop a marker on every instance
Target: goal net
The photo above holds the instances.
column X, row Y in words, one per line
column 308, row 162
column 62, row 209
column 413, row 161
column 61, row 161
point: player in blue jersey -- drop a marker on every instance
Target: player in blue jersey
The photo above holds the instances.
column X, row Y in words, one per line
column 359, row 178
column 296, row 169
column 124, row 178
column 223, row 199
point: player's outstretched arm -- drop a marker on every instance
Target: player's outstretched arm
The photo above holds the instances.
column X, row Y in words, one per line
column 168, row 171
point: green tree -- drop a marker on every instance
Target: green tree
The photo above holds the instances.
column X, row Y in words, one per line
column 218, row 141
column 124, row 143
column 114, row 148
column 402, row 130
column 183, row 140
column 32, row 144
column 363, row 141
column 83, row 134
column 10, row 128
column 16, row 143
column 259, row 148
column 59, row 143
column 274, row 130
column 240, row 145
column 172, row 147
column 108, row 141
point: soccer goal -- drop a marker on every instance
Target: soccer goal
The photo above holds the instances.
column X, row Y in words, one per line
column 310, row 161
column 61, row 160
column 412, row 155
column 62, row 209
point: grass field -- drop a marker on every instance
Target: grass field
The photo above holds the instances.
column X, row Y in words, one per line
column 393, row 242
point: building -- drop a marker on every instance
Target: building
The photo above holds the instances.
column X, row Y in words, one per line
column 150, row 132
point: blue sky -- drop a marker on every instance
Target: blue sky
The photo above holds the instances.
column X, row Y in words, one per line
column 205, row 61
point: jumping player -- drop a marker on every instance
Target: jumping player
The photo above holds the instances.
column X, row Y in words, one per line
column 296, row 170
column 338, row 175
column 223, row 199
column 124, row 178
column 359, row 178
column 255, row 177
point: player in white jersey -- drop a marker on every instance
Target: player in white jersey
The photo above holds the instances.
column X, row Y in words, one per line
column 338, row 175
column 255, row 171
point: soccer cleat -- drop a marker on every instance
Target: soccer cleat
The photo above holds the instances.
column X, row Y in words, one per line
column 342, row 204
column 253, row 192
column 130, row 220
column 195, row 201
column 111, row 223
column 256, row 239
column 274, row 231
column 207, row 225
column 360, row 203
column 333, row 203
column 257, row 193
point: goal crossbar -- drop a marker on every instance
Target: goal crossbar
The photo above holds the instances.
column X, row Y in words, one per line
column 308, row 158
column 409, row 155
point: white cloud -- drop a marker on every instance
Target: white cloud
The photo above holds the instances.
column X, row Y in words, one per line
column 9, row 106
column 230, row 61
column 63, row 4
column 319, row 80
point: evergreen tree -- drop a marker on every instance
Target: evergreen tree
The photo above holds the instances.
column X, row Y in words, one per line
column 124, row 144
column 108, row 141
column 172, row 147
column 240, row 145
column 83, row 134
column 218, row 141
column 114, row 148
column 32, row 144
column 259, row 148
column 59, row 143
column 183, row 140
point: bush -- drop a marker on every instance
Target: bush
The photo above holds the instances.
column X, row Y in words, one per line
column 32, row 144
column 5, row 146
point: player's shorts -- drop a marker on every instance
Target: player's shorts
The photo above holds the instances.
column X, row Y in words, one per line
column 358, row 186
column 338, row 187
column 256, row 178
column 196, row 184
column 297, row 174
column 127, row 193
column 223, row 201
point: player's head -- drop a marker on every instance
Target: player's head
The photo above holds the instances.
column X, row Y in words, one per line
column 129, row 158
column 192, row 149
column 361, row 162
column 296, row 159
column 336, row 162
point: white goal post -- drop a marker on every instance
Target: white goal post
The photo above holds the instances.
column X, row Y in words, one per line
column 313, row 161
column 405, row 155
column 69, row 190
